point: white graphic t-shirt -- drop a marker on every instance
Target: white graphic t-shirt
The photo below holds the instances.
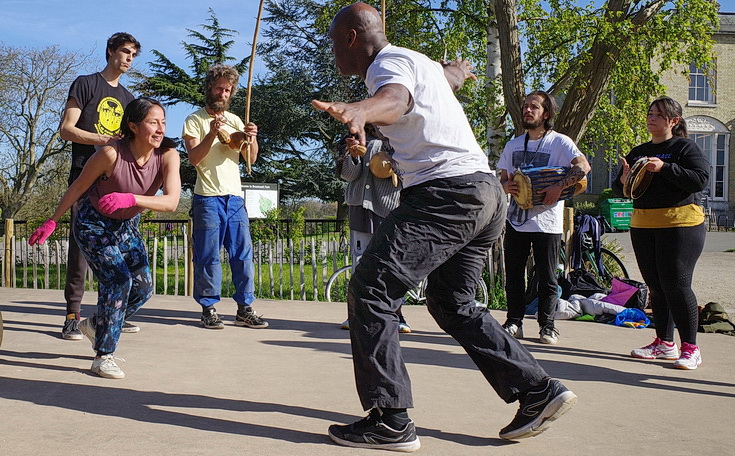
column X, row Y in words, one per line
column 553, row 149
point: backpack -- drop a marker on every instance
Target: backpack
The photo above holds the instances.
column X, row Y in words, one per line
column 581, row 282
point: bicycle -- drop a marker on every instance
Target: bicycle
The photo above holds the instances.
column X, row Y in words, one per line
column 336, row 289
column 612, row 266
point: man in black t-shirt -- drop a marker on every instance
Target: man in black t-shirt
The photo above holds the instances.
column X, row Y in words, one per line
column 91, row 119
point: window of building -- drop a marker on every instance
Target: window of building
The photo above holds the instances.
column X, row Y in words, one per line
column 701, row 85
column 715, row 146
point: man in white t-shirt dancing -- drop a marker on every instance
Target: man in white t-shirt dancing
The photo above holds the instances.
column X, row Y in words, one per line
column 451, row 211
column 539, row 228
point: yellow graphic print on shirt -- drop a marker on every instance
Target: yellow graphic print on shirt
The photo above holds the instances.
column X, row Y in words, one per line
column 110, row 115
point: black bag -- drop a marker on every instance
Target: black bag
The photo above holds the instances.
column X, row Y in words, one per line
column 639, row 300
column 581, row 282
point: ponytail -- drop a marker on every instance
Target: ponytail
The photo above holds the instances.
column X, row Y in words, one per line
column 670, row 108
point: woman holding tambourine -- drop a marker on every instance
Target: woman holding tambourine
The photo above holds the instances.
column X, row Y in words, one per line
column 665, row 177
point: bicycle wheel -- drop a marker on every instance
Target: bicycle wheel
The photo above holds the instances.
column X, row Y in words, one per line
column 336, row 289
column 481, row 295
column 417, row 296
column 612, row 267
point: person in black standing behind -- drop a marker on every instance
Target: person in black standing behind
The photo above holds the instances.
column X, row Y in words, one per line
column 91, row 119
column 667, row 230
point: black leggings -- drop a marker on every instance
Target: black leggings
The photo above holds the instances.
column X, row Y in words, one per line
column 666, row 258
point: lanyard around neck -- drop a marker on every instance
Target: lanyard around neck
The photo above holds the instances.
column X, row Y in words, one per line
column 538, row 146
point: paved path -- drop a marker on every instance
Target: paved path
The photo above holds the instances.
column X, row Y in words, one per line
column 714, row 275
column 275, row 391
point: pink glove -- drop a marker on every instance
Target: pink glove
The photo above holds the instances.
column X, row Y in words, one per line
column 42, row 233
column 114, row 201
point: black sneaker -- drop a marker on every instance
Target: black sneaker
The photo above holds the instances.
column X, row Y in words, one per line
column 130, row 328
column 540, row 405
column 371, row 432
column 249, row 318
column 211, row 320
column 71, row 331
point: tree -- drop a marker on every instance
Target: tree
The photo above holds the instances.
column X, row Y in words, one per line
column 172, row 84
column 33, row 89
column 603, row 62
column 304, row 144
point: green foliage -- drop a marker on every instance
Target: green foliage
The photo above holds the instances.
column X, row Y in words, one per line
column 172, row 84
column 606, row 194
column 266, row 229
column 633, row 43
column 297, row 224
column 586, row 207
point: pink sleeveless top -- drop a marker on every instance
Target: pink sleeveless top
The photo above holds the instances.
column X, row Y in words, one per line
column 129, row 177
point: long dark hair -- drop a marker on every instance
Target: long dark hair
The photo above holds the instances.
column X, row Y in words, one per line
column 135, row 112
column 670, row 109
column 549, row 106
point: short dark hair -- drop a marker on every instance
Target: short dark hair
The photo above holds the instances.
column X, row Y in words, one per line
column 135, row 112
column 671, row 108
column 117, row 40
column 549, row 106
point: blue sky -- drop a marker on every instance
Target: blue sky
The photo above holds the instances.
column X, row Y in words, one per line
column 85, row 25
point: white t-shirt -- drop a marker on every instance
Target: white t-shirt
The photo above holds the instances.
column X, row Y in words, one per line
column 433, row 140
column 554, row 149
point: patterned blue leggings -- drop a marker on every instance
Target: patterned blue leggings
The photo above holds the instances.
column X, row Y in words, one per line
column 115, row 251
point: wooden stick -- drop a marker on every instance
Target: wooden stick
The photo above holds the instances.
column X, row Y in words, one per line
column 250, row 82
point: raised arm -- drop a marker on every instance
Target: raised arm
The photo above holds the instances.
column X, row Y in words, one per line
column 457, row 72
column 252, row 131
column 388, row 104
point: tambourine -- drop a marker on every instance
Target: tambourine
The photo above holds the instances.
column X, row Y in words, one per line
column 531, row 180
column 638, row 180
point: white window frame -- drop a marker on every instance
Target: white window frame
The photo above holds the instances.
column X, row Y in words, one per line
column 703, row 83
column 718, row 158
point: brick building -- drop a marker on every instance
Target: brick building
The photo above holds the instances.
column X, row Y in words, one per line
column 708, row 102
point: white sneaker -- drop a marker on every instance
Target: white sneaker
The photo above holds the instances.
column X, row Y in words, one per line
column 657, row 350
column 549, row 335
column 85, row 326
column 105, row 366
column 514, row 330
column 403, row 328
column 690, row 357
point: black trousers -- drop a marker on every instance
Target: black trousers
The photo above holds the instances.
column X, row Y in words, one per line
column 443, row 230
column 666, row 258
column 76, row 270
column 518, row 245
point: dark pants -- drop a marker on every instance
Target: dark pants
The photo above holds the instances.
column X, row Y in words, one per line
column 76, row 270
column 443, row 230
column 666, row 258
column 545, row 247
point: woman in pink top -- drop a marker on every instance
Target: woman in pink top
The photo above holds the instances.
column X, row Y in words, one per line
column 120, row 181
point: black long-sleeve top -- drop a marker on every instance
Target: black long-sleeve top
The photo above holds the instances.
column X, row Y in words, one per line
column 684, row 175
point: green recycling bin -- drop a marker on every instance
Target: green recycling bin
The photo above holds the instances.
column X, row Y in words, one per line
column 617, row 212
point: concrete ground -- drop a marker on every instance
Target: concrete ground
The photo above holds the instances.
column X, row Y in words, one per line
column 275, row 391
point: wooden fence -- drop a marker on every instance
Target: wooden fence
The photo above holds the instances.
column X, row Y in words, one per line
column 283, row 270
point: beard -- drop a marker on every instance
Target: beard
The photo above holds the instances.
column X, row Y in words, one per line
column 216, row 104
column 532, row 124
